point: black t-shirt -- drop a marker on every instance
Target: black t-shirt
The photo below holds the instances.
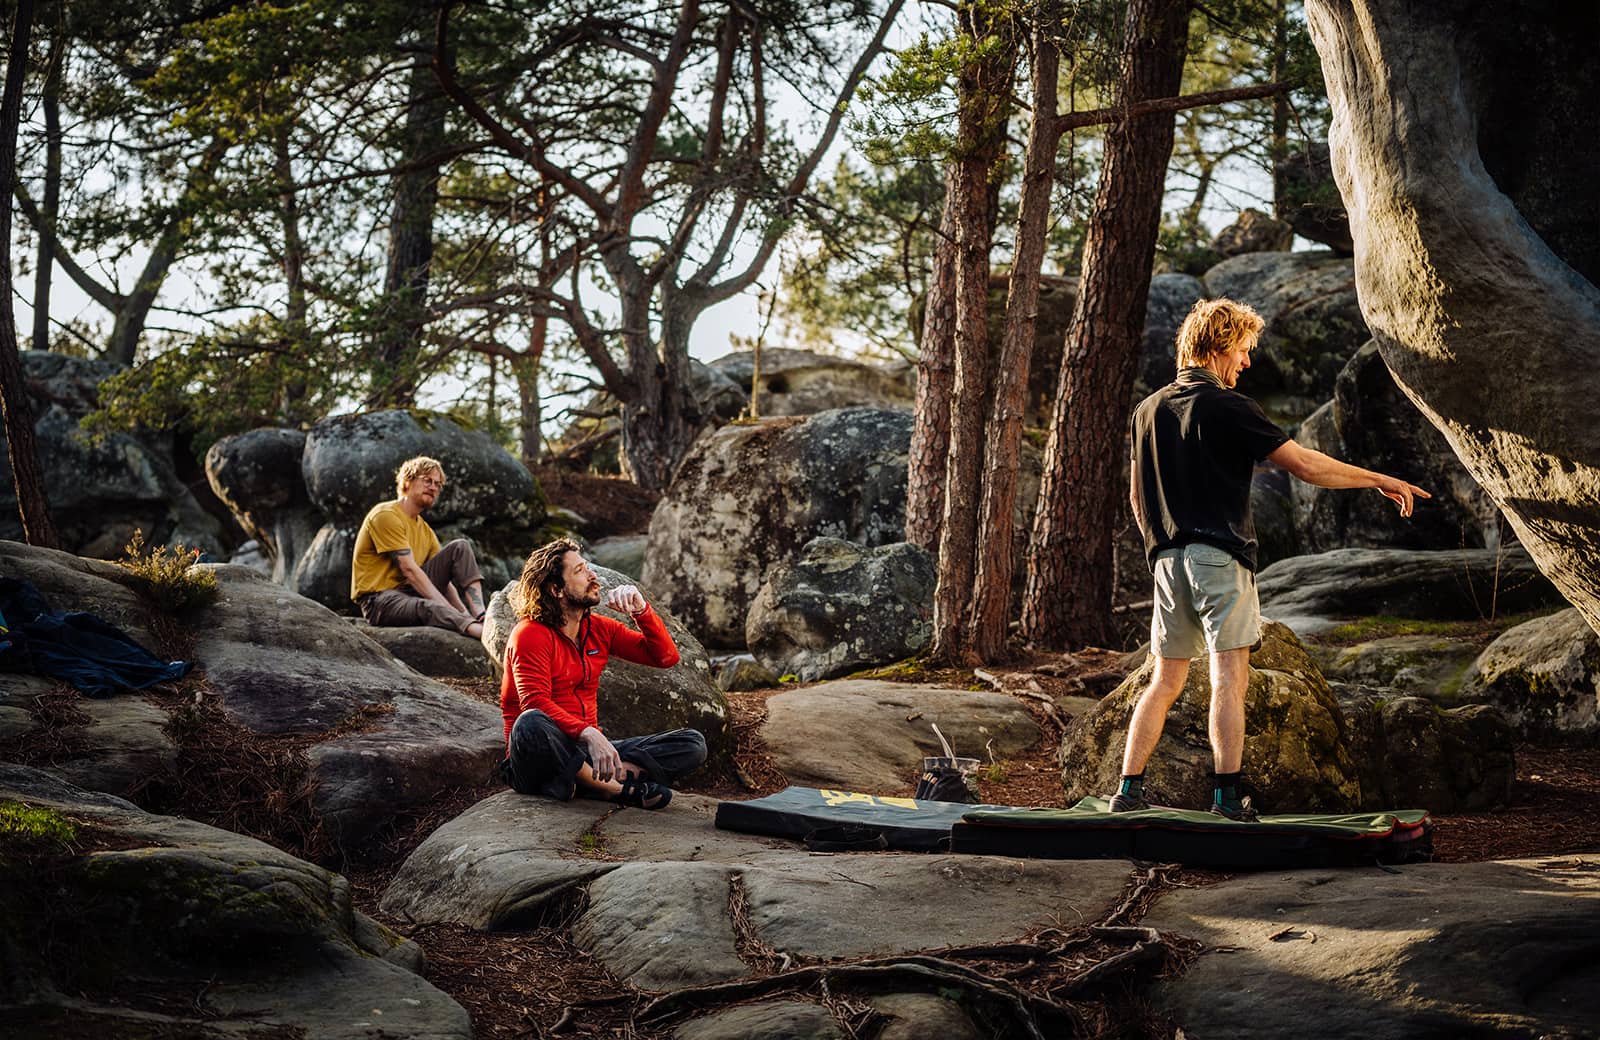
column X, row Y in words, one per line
column 1195, row 446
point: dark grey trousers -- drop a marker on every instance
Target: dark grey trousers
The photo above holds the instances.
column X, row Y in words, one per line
column 453, row 564
column 543, row 760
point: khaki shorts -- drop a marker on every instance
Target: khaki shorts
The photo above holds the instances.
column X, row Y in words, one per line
column 1204, row 600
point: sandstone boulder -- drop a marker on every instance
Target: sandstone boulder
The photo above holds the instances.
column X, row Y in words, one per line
column 1372, row 424
column 350, row 461
column 749, row 496
column 101, row 491
column 1476, row 253
column 744, row 672
column 380, row 738
column 1314, row 323
column 246, row 934
column 841, row 607
column 1545, row 675
column 870, row 735
column 438, row 652
column 1413, row 754
column 257, row 475
column 1305, row 591
column 1254, row 232
column 800, row 382
column 621, row 553
column 635, row 699
column 1431, row 666
column 120, row 745
column 1297, row 751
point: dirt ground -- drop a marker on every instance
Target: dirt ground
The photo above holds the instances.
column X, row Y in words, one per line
column 538, row 984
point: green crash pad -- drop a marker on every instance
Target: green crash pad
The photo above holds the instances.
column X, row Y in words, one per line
column 905, row 823
column 1089, row 830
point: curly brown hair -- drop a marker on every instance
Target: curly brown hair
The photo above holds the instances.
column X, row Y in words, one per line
column 533, row 598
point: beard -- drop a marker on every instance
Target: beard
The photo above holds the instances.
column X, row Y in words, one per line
column 585, row 600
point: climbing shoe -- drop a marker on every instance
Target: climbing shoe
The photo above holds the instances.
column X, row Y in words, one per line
column 1244, row 812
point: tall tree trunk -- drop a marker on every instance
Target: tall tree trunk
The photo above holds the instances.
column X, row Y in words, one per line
column 1070, row 563
column 1280, row 102
column 44, row 265
column 936, row 376
column 991, row 605
column 405, row 282
column 659, row 416
column 24, row 456
column 294, row 263
column 984, row 91
column 530, row 411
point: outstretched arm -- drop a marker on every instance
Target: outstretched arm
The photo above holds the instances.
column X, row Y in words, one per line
column 1315, row 467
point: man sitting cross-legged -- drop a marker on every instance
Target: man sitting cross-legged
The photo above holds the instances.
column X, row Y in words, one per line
column 553, row 662
column 401, row 575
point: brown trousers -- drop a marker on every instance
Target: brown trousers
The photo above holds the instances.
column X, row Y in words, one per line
column 453, row 564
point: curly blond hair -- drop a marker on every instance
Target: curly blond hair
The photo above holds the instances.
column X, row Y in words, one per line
column 411, row 469
column 1215, row 327
column 533, row 597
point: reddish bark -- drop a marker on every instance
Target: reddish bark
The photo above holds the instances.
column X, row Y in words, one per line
column 1070, row 561
column 991, row 605
column 936, row 375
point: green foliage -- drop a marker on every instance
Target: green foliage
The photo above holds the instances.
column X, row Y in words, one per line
column 168, row 577
column 27, row 828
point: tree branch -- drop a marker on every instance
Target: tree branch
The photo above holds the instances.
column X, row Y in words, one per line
column 1101, row 116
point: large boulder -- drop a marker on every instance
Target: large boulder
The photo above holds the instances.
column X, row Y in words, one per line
column 105, row 935
column 1297, row 751
column 1314, row 323
column 1472, row 196
column 1371, row 424
column 800, row 382
column 841, row 607
column 257, row 475
column 1434, row 950
column 751, row 495
column 379, row 738
column 1306, row 592
column 635, row 699
column 871, row 735
column 1413, row 754
column 438, row 652
column 1254, row 232
column 350, row 462
column 113, row 744
column 1545, row 675
column 102, row 490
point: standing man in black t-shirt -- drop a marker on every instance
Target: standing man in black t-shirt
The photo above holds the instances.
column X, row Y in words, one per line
column 1196, row 442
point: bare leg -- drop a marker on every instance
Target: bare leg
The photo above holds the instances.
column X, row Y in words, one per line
column 474, row 598
column 1150, row 714
column 1230, row 678
column 454, row 599
column 607, row 787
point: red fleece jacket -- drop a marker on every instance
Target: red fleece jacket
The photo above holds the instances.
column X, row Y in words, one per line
column 548, row 671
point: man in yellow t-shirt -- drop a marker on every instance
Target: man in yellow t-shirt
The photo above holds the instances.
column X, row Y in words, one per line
column 401, row 575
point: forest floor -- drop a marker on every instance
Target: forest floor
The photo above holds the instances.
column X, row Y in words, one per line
column 537, row 983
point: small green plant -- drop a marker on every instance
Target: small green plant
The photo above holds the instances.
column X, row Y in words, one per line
column 29, row 828
column 788, row 677
column 167, row 575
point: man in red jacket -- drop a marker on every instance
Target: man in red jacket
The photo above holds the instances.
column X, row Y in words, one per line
column 553, row 661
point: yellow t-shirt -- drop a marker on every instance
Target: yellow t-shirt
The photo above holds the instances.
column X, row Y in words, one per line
column 386, row 529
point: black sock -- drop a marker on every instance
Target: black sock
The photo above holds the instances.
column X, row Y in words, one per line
column 1133, row 785
column 1225, row 790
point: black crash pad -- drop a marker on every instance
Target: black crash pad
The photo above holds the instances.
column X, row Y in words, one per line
column 1089, row 830
column 793, row 812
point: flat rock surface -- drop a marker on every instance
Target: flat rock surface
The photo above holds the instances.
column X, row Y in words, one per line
column 1433, row 950
column 870, row 735
column 123, row 743
column 656, row 888
column 770, row 1020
